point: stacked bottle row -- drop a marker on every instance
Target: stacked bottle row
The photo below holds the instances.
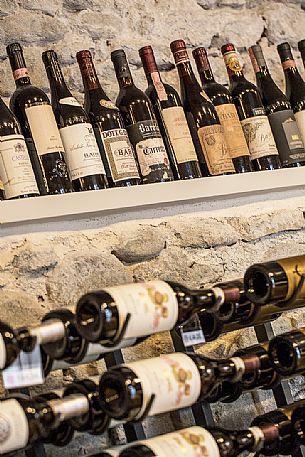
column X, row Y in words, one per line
column 152, row 137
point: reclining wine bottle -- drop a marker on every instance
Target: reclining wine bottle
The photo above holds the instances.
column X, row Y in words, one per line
column 287, row 352
column 274, row 281
column 298, row 420
column 176, row 380
column 154, row 306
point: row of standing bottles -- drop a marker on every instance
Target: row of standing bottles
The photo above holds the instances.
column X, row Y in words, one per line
column 152, row 137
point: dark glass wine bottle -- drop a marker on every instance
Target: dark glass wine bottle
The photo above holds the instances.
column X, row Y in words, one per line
column 226, row 110
column 171, row 118
column 16, row 170
column 252, row 114
column 295, row 86
column 287, row 352
column 301, row 48
column 32, row 108
column 298, row 421
column 177, row 380
column 278, row 109
column 202, row 117
column 84, row 160
column 110, row 133
column 141, row 124
column 9, row 345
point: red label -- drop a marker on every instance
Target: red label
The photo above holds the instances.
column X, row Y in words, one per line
column 20, row 73
column 288, row 64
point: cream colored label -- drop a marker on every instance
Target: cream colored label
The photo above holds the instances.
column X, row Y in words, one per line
column 2, row 353
column 174, row 379
column 189, row 442
column 179, row 134
column 82, row 153
column 300, row 119
column 69, row 101
column 294, row 267
column 232, row 62
column 153, row 307
column 120, row 154
column 44, row 129
column 14, row 429
column 16, row 170
column 216, row 152
column 151, row 152
column 259, row 137
column 233, row 131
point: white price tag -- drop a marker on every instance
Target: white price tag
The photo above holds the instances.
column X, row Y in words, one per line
column 25, row 371
column 192, row 333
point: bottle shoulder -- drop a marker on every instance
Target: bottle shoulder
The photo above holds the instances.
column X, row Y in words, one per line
column 29, row 94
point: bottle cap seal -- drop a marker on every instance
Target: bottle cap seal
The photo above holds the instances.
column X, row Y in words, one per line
column 201, row 59
column 178, row 48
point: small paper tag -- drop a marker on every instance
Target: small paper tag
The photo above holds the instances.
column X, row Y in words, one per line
column 192, row 333
column 25, row 371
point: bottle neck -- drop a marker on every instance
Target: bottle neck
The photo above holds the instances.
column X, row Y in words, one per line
column 206, row 76
column 234, row 68
column 186, row 74
column 89, row 76
column 20, row 71
column 58, row 86
column 122, row 71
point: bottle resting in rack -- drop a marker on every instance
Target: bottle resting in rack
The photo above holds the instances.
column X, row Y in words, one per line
column 226, row 110
column 32, row 108
column 171, row 118
column 278, row 109
column 287, row 352
column 202, row 117
column 84, row 160
column 252, row 114
column 141, row 124
column 111, row 135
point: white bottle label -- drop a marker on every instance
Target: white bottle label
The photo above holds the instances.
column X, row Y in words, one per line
column 159, row 86
column 174, row 379
column 16, row 170
column 259, row 137
column 44, row 129
column 14, row 429
column 179, row 134
column 2, row 353
column 82, row 153
column 120, row 154
column 153, row 307
column 189, row 442
column 69, row 101
column 300, row 118
column 25, row 371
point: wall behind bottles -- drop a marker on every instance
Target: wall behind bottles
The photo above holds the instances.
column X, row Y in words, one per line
column 104, row 25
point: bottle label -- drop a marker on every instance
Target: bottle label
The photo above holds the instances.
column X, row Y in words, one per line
column 69, row 101
column 14, row 429
column 149, row 146
column 25, row 371
column 82, row 153
column 182, row 387
column 190, row 442
column 2, row 353
column 15, row 167
column 294, row 268
column 287, row 136
column 259, row 137
column 119, row 154
column 290, row 63
column 20, row 73
column 215, row 149
column 159, row 86
column 233, row 131
column 153, row 307
column 232, row 62
column 108, row 104
column 44, row 129
column 179, row 134
column 300, row 119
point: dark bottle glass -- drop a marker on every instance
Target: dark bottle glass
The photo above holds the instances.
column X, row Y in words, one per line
column 177, row 380
column 202, row 117
column 100, row 315
column 142, row 127
column 10, row 345
column 295, row 86
column 298, row 420
column 84, row 160
column 110, row 133
column 301, row 48
column 226, row 110
column 278, row 109
column 252, row 114
column 287, row 352
column 171, row 119
column 32, row 108
column 16, row 170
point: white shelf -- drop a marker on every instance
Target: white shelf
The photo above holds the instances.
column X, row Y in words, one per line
column 95, row 203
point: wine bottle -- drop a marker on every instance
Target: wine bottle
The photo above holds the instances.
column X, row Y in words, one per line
column 274, row 281
column 84, row 160
column 197, row 441
column 171, row 118
column 25, row 421
column 202, row 117
column 252, row 114
column 110, row 133
column 141, row 124
column 298, row 421
column 32, row 108
column 177, row 381
column 278, row 109
column 287, row 352
column 154, row 306
column 226, row 110
column 295, row 86
column 16, row 170
column 9, row 345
